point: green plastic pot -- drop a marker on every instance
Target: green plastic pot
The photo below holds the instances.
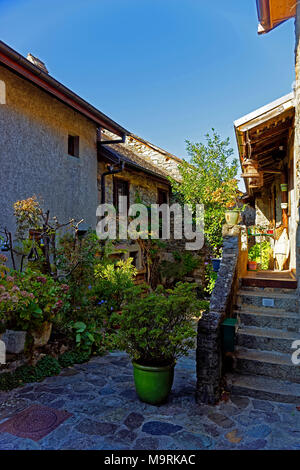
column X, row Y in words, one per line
column 153, row 384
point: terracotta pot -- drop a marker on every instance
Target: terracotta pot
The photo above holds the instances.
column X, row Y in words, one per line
column 252, row 265
column 232, row 217
column 42, row 336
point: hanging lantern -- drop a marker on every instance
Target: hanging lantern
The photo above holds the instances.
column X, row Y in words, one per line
column 250, row 169
column 257, row 181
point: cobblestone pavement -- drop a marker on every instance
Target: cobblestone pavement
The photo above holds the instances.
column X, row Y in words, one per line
column 108, row 415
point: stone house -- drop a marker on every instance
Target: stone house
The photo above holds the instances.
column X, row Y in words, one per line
column 50, row 146
column 48, row 142
column 57, row 146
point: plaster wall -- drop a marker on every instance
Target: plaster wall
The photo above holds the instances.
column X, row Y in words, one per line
column 34, row 158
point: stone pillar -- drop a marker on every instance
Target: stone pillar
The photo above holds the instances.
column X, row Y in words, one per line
column 209, row 347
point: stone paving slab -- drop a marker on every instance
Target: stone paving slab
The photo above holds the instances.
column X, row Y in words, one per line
column 107, row 415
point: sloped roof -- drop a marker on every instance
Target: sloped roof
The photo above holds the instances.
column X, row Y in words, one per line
column 271, row 13
column 120, row 152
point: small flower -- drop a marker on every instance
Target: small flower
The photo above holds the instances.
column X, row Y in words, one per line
column 41, row 279
column 10, row 279
column 89, row 287
column 59, row 304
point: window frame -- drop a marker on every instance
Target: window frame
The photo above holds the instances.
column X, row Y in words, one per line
column 73, row 145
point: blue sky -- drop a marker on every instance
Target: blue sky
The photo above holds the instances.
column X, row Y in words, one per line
column 167, row 70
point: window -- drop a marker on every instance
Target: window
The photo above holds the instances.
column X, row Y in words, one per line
column 162, row 196
column 135, row 258
column 121, row 188
column 73, row 145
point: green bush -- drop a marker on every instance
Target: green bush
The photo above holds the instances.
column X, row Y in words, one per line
column 48, row 366
column 69, row 358
column 210, row 278
column 157, row 327
column 8, row 381
column 261, row 253
column 183, row 264
column 112, row 279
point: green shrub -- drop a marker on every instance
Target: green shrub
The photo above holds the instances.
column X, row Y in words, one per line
column 69, row 358
column 48, row 366
column 261, row 253
column 210, row 278
column 183, row 264
column 112, row 279
column 8, row 381
column 157, row 327
column 28, row 374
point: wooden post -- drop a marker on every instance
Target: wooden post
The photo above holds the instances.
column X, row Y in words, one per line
column 297, row 97
column 297, row 134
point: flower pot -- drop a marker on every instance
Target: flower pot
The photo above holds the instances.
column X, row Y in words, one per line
column 252, row 265
column 284, row 187
column 14, row 341
column 153, row 384
column 216, row 264
column 42, row 336
column 232, row 217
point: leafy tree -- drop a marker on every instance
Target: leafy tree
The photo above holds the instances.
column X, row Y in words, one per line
column 209, row 179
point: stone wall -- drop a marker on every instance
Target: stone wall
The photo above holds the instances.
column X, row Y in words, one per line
column 147, row 188
column 209, row 346
column 139, row 183
column 34, row 158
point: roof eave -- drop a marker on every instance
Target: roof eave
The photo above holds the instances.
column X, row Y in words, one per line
column 111, row 155
column 23, row 67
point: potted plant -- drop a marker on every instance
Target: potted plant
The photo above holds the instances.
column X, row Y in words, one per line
column 253, row 257
column 29, row 302
column 155, row 329
column 232, row 216
column 233, row 210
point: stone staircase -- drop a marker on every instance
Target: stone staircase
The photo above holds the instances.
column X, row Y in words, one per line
column 268, row 323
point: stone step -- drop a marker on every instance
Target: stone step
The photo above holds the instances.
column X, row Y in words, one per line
column 259, row 298
column 280, row 290
column 266, row 339
column 267, row 363
column 264, row 388
column 268, row 318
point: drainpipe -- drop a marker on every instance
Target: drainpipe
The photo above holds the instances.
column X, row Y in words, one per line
column 110, row 171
